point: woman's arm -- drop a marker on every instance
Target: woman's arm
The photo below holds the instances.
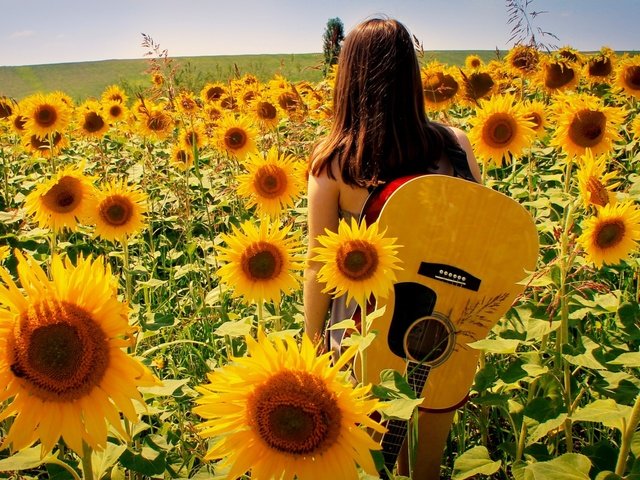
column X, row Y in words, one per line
column 323, row 195
column 464, row 142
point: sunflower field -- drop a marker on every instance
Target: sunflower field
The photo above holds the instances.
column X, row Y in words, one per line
column 153, row 249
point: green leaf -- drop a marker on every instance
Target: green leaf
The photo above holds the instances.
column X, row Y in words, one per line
column 348, row 324
column 607, row 475
column 239, row 328
column 485, row 378
column 475, row 461
column 570, row 466
column 400, row 408
column 629, row 359
column 496, row 345
column 545, row 427
column 167, row 389
column 396, row 382
column 536, row 328
column 104, row 460
column 362, row 342
column 23, row 460
column 148, row 461
column 607, row 412
column 586, row 359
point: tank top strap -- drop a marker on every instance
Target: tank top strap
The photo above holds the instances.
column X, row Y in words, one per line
column 458, row 158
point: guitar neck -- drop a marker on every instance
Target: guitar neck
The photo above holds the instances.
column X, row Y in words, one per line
column 394, row 437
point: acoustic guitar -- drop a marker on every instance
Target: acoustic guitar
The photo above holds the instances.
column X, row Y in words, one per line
column 465, row 250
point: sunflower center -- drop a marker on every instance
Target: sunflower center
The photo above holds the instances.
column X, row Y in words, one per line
column 357, row 259
column 610, row 234
column 214, row 93
column 598, row 194
column 64, row 196
column 294, row 412
column 5, row 110
column 58, row 350
column 600, row 67
column 115, row 111
column 235, row 138
column 261, row 261
column 93, row 122
column 20, row 121
column 116, row 210
column 535, row 118
column 558, row 75
column 44, row 143
column 478, row 85
column 499, row 130
column 632, row 77
column 229, row 103
column 157, row 122
column 288, row 101
column 270, row 181
column 266, row 111
column 440, row 87
column 526, row 61
column 46, row 116
column 587, row 128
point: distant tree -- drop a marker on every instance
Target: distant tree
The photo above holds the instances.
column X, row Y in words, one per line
column 332, row 42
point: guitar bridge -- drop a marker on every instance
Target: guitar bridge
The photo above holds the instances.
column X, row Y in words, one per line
column 449, row 274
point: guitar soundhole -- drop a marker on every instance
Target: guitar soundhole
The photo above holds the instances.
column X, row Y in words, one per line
column 429, row 340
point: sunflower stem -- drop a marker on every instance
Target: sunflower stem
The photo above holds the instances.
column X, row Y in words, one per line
column 363, row 352
column 87, row 469
column 127, row 269
column 629, row 428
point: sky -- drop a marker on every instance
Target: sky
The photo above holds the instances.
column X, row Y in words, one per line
column 58, row 31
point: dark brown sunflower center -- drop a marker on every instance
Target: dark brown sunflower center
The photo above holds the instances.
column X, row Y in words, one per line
column 20, row 121
column 288, row 101
column 526, row 61
column 266, row 111
column 600, row 67
column 261, row 261
column 46, row 116
column 116, row 210
column 610, row 234
column 5, row 109
column 115, row 111
column 158, row 122
column 182, row 157
column 93, row 122
column 499, row 130
column 558, row 75
column 64, row 196
column 357, row 259
column 587, row 128
column 44, row 143
column 632, row 77
column 270, row 181
column 191, row 138
column 598, row 194
column 478, row 85
column 229, row 103
column 439, row 87
column 475, row 63
column 214, row 93
column 58, row 350
column 569, row 55
column 535, row 118
column 235, row 138
column 294, row 412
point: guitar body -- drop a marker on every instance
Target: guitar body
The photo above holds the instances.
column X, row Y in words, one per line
column 465, row 248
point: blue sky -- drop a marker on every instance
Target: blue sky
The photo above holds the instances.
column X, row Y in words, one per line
column 56, row 31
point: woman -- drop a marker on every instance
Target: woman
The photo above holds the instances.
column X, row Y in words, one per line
column 380, row 132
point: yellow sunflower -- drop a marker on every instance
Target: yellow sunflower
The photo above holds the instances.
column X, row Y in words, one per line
column 627, row 75
column 63, row 371
column 5, row 251
column 536, row 112
column 193, row 135
column 7, row 106
column 261, row 262
column 283, row 412
column 212, row 92
column 358, row 261
column 273, row 184
column 186, row 104
column 594, row 182
column 522, row 60
column 571, row 54
column 555, row 75
column 113, row 93
column 477, row 84
column 612, row 235
column 182, row 157
column 441, row 86
column 62, row 201
column 500, row 130
column 291, row 103
column 473, row 62
column 46, row 114
column 599, row 68
column 91, row 120
column 583, row 121
column 236, row 136
column 43, row 147
column 115, row 111
column 265, row 112
column 154, row 121
column 118, row 211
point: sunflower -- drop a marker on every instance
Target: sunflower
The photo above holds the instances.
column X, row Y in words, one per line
column 46, row 114
column 61, row 201
column 594, row 182
column 229, row 102
column 599, row 68
column 476, row 85
column 91, row 119
column 358, row 261
column 63, row 371
column 265, row 112
column 211, row 113
column 212, row 92
column 182, row 157
column 187, row 104
column 5, row 251
column 113, row 93
column 118, row 211
column 236, row 136
column 7, row 106
column 291, row 103
column 154, row 121
column 193, row 136
column 556, row 75
column 261, row 261
column 522, row 60
column 584, row 122
column 536, row 112
column 115, row 111
column 500, row 130
column 43, row 147
column 473, row 62
column 440, row 85
column 612, row 235
column 283, row 412
column 157, row 79
column 627, row 75
column 571, row 54
column 273, row 183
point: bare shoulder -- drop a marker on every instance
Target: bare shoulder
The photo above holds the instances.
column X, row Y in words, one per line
column 464, row 142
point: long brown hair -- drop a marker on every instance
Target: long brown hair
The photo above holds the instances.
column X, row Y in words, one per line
column 380, row 129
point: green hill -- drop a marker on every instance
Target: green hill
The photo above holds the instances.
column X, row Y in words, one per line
column 89, row 79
